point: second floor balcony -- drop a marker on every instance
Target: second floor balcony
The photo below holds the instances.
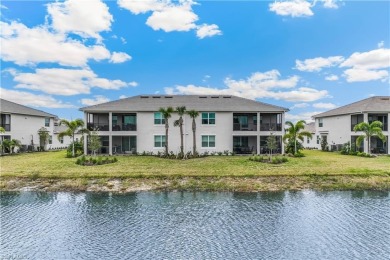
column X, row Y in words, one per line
column 120, row 122
column 244, row 122
column 271, row 122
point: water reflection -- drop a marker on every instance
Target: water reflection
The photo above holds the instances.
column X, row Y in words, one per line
column 196, row 225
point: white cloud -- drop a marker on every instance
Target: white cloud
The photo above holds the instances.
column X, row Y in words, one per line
column 358, row 75
column 294, row 8
column 258, row 85
column 98, row 100
column 299, row 105
column 29, row 99
column 119, row 57
column 133, row 84
column 381, row 44
column 324, row 105
column 330, row 4
column 367, row 66
column 64, row 82
column 173, row 18
column 375, row 59
column 25, row 46
column 3, row 7
column 332, row 77
column 122, row 96
column 144, row 6
column 307, row 116
column 317, row 64
column 170, row 16
column 206, row 30
column 85, row 18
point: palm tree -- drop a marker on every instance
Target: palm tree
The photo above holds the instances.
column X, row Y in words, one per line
column 193, row 114
column 167, row 113
column 294, row 132
column 74, row 127
column 369, row 130
column 181, row 111
column 2, row 130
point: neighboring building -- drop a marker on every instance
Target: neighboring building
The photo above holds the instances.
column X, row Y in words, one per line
column 225, row 123
column 337, row 125
column 310, row 143
column 23, row 123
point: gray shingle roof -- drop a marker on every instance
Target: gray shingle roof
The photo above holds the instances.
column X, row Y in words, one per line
column 372, row 104
column 310, row 127
column 14, row 108
column 150, row 103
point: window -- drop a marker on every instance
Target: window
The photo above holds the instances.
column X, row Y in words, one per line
column 159, row 118
column 320, row 122
column 318, row 139
column 208, row 141
column 159, row 141
column 356, row 119
column 308, row 140
column 50, row 139
column 61, row 140
column 5, row 122
column 208, row 118
column 47, row 121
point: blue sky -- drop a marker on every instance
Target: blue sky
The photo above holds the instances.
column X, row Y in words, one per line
column 307, row 56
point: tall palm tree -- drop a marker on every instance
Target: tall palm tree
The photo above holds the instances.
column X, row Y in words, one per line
column 193, row 114
column 369, row 130
column 294, row 132
column 179, row 122
column 167, row 113
column 74, row 127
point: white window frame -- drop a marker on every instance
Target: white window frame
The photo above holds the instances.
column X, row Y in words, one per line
column 161, row 118
column 162, row 143
column 320, row 122
column 208, row 141
column 208, row 118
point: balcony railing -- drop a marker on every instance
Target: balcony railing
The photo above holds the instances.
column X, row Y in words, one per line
column 270, row 127
column 124, row 127
column 99, row 127
column 248, row 127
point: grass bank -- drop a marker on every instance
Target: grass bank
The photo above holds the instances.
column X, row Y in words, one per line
column 318, row 170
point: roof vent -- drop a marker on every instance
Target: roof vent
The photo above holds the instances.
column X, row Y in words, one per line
column 227, row 96
column 202, row 97
column 144, row 96
column 214, row 96
column 156, row 97
column 168, row 96
column 385, row 99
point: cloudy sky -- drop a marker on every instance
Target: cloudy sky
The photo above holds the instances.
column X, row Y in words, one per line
column 308, row 56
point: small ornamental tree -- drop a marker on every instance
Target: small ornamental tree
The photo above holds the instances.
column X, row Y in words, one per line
column 271, row 144
column 43, row 137
column 95, row 142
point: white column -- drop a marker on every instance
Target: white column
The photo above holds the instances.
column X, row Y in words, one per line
column 283, row 132
column 85, row 135
column 365, row 119
column 110, row 133
column 258, row 133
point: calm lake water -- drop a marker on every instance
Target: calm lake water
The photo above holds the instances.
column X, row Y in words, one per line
column 201, row 225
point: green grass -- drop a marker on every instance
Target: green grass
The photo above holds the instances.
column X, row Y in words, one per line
column 210, row 173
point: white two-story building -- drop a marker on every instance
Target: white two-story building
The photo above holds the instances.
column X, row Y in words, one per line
column 225, row 123
column 23, row 123
column 336, row 125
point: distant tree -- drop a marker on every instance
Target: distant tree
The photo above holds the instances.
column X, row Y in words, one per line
column 167, row 113
column 369, row 130
column 193, row 114
column 73, row 127
column 94, row 143
column 179, row 122
column 2, row 130
column 294, row 133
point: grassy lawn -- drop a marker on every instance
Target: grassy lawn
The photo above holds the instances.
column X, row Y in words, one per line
column 317, row 167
